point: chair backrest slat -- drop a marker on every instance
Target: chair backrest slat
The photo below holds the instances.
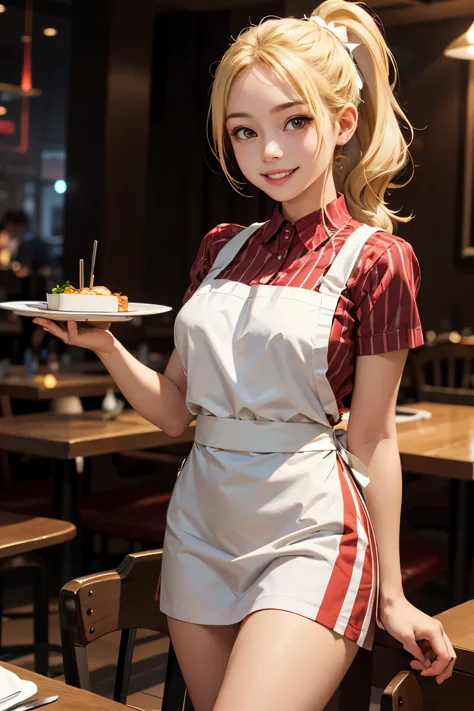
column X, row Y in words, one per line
column 443, row 373
column 102, row 603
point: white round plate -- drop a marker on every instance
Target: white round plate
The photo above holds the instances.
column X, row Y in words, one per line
column 39, row 309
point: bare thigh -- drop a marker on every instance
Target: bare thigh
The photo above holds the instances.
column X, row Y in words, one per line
column 282, row 661
column 202, row 652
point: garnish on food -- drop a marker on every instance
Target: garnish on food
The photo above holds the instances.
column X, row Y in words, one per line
column 61, row 289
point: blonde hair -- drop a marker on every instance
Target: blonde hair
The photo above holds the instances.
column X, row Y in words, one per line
column 318, row 66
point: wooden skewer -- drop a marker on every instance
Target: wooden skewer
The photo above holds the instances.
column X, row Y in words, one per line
column 81, row 274
column 94, row 254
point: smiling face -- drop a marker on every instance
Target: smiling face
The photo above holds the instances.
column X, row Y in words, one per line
column 277, row 143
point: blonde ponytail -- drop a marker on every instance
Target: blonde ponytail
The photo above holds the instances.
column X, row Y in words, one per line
column 378, row 151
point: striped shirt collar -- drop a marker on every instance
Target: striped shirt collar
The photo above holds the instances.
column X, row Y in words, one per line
column 310, row 228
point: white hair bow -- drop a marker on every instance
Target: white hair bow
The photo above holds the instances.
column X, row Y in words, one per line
column 340, row 32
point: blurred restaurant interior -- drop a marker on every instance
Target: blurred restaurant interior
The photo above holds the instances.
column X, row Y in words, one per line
column 103, row 109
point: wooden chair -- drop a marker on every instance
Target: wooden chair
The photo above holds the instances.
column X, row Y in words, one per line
column 444, row 373
column 124, row 600
column 403, row 692
column 19, row 536
column 117, row 600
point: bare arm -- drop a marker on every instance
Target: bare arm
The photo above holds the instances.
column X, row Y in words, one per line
column 372, row 437
column 161, row 399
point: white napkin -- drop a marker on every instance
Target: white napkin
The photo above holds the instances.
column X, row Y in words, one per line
column 9, row 684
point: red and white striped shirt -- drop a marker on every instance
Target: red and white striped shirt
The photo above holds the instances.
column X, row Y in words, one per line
column 377, row 311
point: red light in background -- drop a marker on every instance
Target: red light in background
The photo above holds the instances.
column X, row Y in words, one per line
column 7, row 127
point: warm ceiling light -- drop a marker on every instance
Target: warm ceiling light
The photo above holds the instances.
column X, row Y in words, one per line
column 2, row 8
column 50, row 31
column 463, row 46
column 3, row 111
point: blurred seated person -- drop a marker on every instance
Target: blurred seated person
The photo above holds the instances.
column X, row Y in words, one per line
column 31, row 257
column 33, row 269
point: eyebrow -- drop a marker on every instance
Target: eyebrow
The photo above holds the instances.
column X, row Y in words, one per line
column 274, row 110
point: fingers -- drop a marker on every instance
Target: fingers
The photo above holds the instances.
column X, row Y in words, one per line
column 449, row 670
column 449, row 645
column 445, row 656
column 72, row 330
column 52, row 327
column 412, row 647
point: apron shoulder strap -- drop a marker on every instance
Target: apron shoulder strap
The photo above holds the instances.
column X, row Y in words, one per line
column 229, row 251
column 335, row 280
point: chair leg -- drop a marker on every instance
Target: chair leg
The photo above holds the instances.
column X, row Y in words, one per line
column 175, row 696
column 124, row 665
column 75, row 663
column 41, row 619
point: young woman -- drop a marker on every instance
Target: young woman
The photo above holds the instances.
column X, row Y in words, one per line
column 271, row 579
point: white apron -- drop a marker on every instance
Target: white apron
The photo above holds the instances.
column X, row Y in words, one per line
column 262, row 514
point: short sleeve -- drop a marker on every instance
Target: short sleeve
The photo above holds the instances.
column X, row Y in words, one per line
column 387, row 313
column 209, row 248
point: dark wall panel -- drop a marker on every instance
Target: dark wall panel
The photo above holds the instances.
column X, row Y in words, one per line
column 433, row 93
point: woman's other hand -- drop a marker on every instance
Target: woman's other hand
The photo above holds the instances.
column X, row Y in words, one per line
column 422, row 636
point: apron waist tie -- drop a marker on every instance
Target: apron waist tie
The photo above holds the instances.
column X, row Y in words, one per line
column 265, row 436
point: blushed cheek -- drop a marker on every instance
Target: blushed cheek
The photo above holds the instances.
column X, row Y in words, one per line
column 247, row 160
column 310, row 147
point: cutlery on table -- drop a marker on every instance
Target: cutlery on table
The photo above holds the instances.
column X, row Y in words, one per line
column 34, row 704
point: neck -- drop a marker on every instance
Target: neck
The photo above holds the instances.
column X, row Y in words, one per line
column 310, row 200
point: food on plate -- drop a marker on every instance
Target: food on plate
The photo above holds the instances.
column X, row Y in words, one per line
column 95, row 298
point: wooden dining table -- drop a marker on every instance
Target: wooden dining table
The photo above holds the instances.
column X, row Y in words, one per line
column 54, row 385
column 444, row 446
column 70, row 698
column 62, row 438
column 21, row 534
